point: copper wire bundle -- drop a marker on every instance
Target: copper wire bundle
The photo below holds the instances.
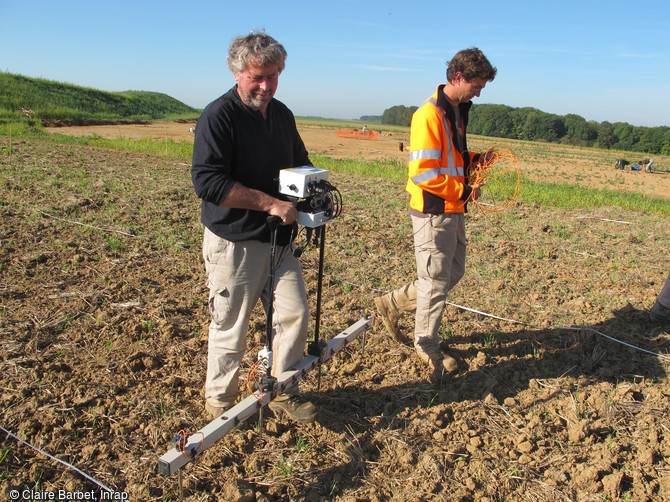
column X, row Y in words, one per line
column 254, row 376
column 493, row 163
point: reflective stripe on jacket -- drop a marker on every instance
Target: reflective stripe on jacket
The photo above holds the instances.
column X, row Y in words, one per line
column 437, row 171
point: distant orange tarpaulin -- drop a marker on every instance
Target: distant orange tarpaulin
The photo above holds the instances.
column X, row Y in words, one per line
column 353, row 134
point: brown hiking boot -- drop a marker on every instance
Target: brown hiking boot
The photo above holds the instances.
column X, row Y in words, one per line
column 389, row 316
column 295, row 406
column 659, row 313
column 218, row 409
column 441, row 362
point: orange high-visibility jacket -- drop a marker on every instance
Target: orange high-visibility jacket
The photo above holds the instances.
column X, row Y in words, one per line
column 438, row 169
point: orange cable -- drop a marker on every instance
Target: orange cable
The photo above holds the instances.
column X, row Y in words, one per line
column 181, row 443
column 494, row 162
column 252, row 377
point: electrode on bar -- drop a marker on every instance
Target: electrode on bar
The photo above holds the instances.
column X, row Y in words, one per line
column 199, row 441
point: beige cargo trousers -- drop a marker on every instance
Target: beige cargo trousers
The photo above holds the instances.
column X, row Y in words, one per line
column 238, row 275
column 439, row 248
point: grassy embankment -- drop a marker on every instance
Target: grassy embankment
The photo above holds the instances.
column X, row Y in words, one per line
column 54, row 102
column 59, row 103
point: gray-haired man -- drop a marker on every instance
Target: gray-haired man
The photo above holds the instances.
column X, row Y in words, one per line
column 242, row 140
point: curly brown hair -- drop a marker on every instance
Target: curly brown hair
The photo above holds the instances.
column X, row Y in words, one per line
column 471, row 63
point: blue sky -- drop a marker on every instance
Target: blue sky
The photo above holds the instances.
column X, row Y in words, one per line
column 603, row 60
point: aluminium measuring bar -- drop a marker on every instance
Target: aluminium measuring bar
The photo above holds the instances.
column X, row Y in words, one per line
column 199, row 441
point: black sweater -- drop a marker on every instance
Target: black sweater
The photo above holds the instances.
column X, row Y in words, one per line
column 234, row 143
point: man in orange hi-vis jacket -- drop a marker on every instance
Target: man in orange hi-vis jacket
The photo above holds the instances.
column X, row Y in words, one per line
column 439, row 163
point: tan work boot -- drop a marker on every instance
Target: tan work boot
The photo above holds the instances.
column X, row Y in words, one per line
column 295, row 406
column 440, row 361
column 218, row 409
column 659, row 313
column 389, row 316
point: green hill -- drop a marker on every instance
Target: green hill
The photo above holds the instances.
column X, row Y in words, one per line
column 55, row 102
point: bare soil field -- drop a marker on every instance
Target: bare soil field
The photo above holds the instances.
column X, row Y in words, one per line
column 562, row 391
column 559, row 163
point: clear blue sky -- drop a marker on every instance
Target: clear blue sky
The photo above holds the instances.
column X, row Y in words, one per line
column 603, row 60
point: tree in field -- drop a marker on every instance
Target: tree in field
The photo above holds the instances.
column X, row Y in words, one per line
column 492, row 120
column 626, row 135
column 398, row 115
column 578, row 131
column 651, row 140
column 540, row 126
column 606, row 138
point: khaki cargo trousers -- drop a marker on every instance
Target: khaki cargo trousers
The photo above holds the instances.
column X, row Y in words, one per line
column 439, row 247
column 238, row 275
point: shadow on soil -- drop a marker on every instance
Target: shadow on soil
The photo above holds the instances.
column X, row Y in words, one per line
column 498, row 371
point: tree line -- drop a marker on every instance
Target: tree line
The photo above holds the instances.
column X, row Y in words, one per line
column 531, row 124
